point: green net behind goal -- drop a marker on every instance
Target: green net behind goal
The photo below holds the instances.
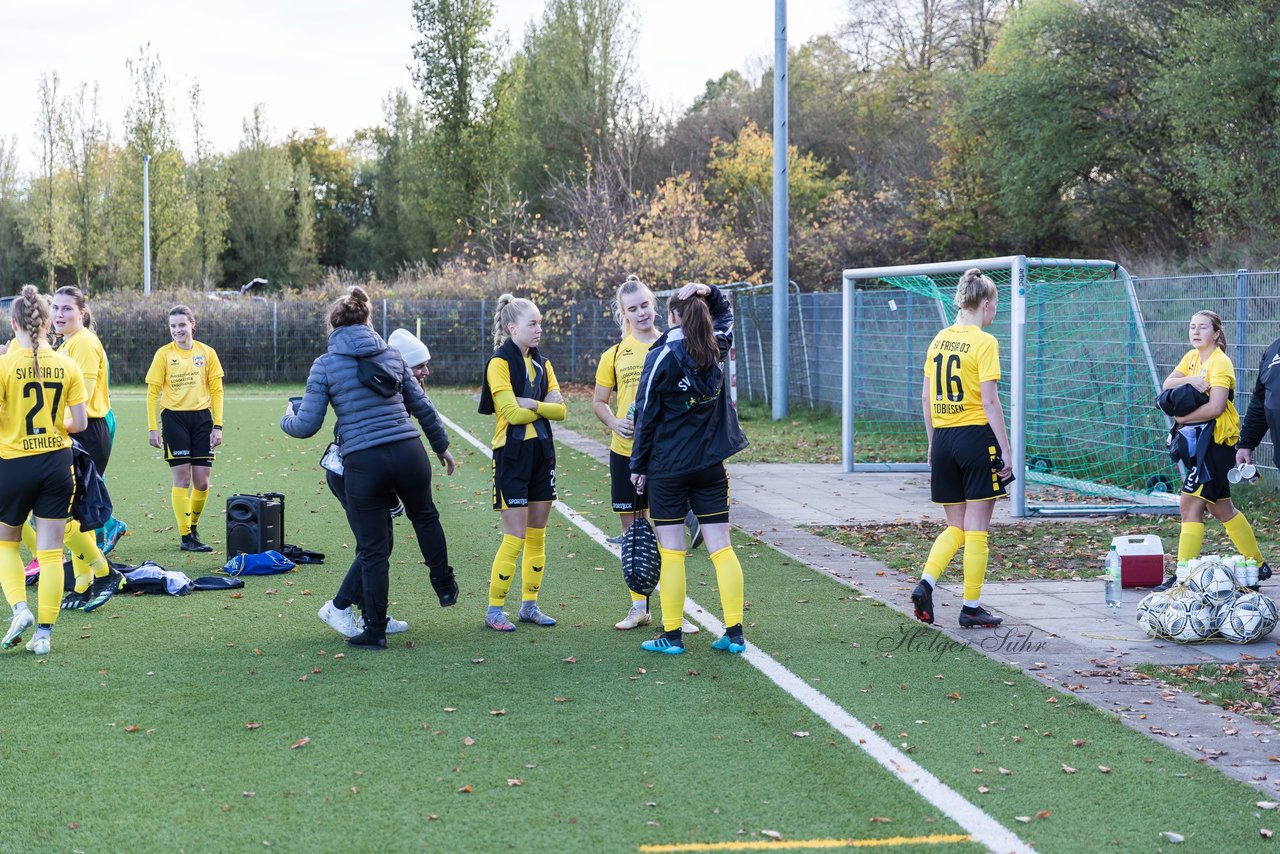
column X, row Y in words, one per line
column 1090, row 425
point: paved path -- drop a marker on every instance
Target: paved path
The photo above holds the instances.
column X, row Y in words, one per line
column 1059, row 632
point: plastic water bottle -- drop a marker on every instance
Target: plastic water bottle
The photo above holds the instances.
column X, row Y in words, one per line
column 1113, row 578
column 1250, row 573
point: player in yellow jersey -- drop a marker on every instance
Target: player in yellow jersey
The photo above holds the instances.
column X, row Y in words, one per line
column 619, row 370
column 95, row 580
column 1207, row 368
column 520, row 389
column 42, row 396
column 969, row 457
column 186, row 379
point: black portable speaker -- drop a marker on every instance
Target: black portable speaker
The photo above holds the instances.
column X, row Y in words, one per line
column 255, row 523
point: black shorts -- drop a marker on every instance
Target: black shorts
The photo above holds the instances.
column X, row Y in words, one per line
column 1218, row 459
column 42, row 485
column 186, row 436
column 705, row 491
column 96, row 440
column 624, row 492
column 530, row 477
column 961, row 462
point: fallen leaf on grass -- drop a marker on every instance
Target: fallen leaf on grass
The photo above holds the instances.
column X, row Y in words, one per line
column 1170, row 836
column 1267, row 805
column 879, row 819
column 468, row 741
column 1004, row 772
column 450, row 709
column 132, row 728
column 252, row 725
column 1025, row 819
column 514, row 781
column 1078, row 742
column 1265, row 832
column 1044, row 814
column 570, row 660
column 1104, row 769
column 983, row 789
column 497, row 712
column 1067, row 769
column 772, row 834
column 954, row 695
column 800, row 734
column 561, row 699
column 465, row 790
column 302, row 742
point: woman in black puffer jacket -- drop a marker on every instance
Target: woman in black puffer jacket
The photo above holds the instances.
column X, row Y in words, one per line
column 373, row 393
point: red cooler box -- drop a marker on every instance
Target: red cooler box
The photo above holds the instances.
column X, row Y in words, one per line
column 1141, row 560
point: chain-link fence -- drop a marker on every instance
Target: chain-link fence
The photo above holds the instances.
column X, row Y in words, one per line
column 262, row 340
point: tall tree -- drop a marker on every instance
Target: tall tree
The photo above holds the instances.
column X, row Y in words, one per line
column 18, row 260
column 456, row 72
column 271, row 233
column 148, row 132
column 86, row 146
column 336, row 197
column 48, row 214
column 573, row 86
column 207, row 182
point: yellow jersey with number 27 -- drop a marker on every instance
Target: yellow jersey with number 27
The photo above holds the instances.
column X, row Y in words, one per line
column 33, row 405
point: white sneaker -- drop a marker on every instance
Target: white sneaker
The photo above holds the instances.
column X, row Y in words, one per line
column 22, row 620
column 689, row 628
column 39, row 645
column 637, row 616
column 343, row 621
column 394, row 625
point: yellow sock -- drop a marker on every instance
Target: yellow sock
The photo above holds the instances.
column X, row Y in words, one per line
column 975, row 564
column 671, row 588
column 504, row 566
column 1190, row 538
column 198, row 499
column 944, row 549
column 29, row 539
column 729, row 580
column 533, row 564
column 1241, row 534
column 86, row 558
column 636, row 597
column 12, row 579
column 51, row 586
column 181, row 498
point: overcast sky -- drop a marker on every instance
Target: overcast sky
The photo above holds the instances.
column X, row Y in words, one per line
column 329, row 63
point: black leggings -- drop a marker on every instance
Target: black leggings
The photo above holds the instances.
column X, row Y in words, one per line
column 373, row 479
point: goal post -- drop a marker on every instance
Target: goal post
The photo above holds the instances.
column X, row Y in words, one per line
column 1079, row 379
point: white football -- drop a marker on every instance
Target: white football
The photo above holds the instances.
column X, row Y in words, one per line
column 1213, row 583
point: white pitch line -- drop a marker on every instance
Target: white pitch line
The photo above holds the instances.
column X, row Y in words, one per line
column 977, row 822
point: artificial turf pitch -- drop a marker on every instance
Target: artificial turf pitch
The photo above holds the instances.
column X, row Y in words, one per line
column 234, row 721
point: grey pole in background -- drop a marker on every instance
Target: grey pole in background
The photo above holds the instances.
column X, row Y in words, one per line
column 781, row 273
column 146, row 223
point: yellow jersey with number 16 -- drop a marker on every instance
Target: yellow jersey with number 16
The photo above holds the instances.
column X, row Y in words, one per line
column 959, row 361
column 33, row 404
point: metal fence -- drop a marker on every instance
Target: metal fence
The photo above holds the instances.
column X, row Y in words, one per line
column 276, row 340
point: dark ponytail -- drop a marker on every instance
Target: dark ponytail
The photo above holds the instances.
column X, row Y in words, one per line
column 699, row 335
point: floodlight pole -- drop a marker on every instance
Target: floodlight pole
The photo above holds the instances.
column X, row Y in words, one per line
column 146, row 223
column 781, row 274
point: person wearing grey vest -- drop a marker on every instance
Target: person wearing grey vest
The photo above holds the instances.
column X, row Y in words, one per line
column 376, row 399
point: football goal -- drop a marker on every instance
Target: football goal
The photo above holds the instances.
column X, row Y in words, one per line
column 1078, row 381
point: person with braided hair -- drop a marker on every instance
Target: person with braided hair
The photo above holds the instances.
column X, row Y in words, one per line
column 42, row 399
